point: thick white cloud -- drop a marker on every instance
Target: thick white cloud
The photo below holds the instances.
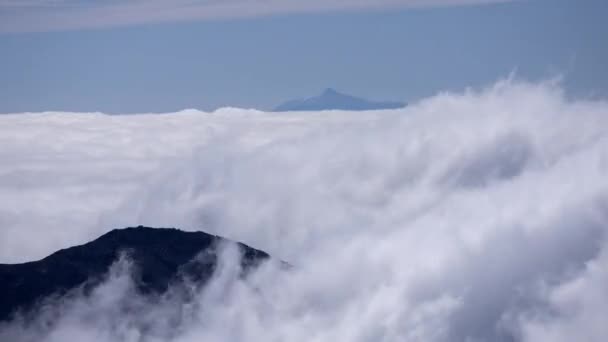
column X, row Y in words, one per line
column 479, row 216
column 48, row 15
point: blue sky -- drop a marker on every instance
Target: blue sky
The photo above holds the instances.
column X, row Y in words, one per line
column 130, row 56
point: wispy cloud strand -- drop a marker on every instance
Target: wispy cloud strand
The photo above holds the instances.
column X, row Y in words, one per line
column 54, row 15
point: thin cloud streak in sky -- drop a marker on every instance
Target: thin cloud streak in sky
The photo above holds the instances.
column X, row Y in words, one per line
column 46, row 15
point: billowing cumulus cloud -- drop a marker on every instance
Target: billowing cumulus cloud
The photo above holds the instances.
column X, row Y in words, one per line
column 480, row 216
column 50, row 15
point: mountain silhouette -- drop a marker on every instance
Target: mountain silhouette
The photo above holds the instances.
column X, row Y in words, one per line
column 160, row 257
column 330, row 99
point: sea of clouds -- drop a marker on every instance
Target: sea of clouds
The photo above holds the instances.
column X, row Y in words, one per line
column 473, row 216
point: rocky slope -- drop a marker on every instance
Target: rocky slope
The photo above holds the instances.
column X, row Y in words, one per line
column 159, row 258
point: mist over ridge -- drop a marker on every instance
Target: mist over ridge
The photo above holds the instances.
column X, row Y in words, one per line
column 473, row 216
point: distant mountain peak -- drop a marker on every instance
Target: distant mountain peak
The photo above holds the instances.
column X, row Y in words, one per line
column 330, row 91
column 331, row 99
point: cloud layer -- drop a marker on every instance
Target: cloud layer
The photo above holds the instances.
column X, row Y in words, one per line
column 479, row 216
column 49, row 15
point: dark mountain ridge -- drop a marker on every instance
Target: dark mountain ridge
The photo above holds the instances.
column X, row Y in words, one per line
column 160, row 257
column 330, row 99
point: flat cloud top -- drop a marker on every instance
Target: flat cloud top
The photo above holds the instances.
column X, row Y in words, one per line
column 480, row 216
column 49, row 15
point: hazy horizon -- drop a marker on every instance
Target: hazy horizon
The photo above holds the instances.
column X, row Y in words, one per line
column 399, row 50
column 476, row 213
